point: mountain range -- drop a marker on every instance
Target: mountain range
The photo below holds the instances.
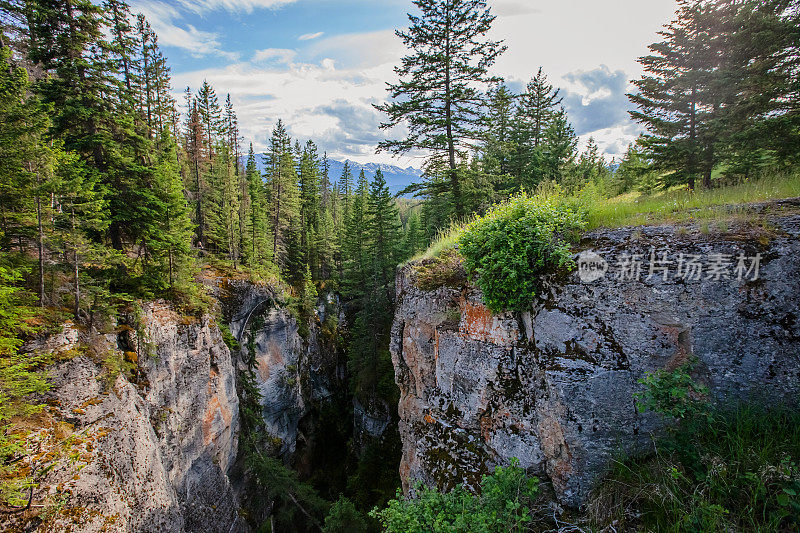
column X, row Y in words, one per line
column 397, row 178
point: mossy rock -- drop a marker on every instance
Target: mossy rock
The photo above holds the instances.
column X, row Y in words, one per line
column 447, row 270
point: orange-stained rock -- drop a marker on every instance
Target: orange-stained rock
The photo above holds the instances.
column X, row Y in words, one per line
column 554, row 386
column 480, row 324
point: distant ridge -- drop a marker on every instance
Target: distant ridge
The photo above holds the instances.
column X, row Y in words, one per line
column 397, row 178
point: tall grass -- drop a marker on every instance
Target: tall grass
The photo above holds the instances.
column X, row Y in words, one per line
column 446, row 239
column 739, row 473
column 682, row 205
column 676, row 205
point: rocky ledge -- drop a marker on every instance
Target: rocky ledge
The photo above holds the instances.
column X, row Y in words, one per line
column 554, row 386
column 140, row 429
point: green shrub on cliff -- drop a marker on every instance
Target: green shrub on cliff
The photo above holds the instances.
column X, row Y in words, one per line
column 504, row 504
column 718, row 468
column 517, row 242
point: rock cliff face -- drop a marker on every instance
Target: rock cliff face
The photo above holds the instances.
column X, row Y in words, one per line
column 554, row 387
column 147, row 450
column 292, row 372
column 141, row 432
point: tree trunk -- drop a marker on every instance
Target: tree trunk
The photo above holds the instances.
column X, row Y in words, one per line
column 693, row 141
column 77, row 308
column 451, row 150
column 199, row 201
column 41, row 250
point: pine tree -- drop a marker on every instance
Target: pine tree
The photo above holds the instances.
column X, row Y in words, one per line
column 210, row 115
column 498, row 145
column 171, row 233
column 438, row 95
column 560, row 148
column 146, row 81
column 283, row 195
column 414, row 240
column 123, row 46
column 258, row 224
column 79, row 211
column 197, row 152
column 310, row 205
column 355, row 248
column 341, row 215
column 673, row 96
column 633, row 170
column 223, row 209
column 26, row 160
column 382, row 224
column 535, row 111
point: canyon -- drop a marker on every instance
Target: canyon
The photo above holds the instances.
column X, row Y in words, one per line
column 154, row 445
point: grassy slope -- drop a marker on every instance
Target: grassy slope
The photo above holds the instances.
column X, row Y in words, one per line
column 677, row 205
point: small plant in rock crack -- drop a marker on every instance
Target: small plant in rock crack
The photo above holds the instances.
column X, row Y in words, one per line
column 675, row 393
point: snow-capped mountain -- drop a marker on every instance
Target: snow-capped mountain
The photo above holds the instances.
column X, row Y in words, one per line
column 397, row 178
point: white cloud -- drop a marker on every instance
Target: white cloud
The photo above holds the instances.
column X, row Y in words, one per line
column 164, row 19
column 311, row 36
column 274, row 55
column 360, row 50
column 238, row 6
column 308, row 97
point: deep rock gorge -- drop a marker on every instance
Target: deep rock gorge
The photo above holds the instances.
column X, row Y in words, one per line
column 154, row 445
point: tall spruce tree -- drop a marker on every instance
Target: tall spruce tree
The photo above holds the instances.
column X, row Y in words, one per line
column 438, row 96
column 356, row 247
column 310, row 205
column 26, row 162
column 258, row 226
column 283, row 194
column 499, row 147
column 674, row 94
column 383, row 230
column 535, row 110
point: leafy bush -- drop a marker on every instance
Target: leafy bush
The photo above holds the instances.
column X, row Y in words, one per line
column 719, row 469
column 504, row 505
column 518, row 241
column 674, row 393
column 344, row 518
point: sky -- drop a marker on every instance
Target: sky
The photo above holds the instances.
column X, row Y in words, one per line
column 320, row 65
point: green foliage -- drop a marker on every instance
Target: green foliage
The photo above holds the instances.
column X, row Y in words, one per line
column 20, row 379
column 739, row 471
column 719, row 469
column 504, row 505
column 295, row 502
column 717, row 88
column 227, row 336
column 344, row 518
column 674, row 393
column 517, row 242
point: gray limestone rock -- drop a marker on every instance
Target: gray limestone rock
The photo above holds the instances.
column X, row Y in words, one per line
column 554, row 386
